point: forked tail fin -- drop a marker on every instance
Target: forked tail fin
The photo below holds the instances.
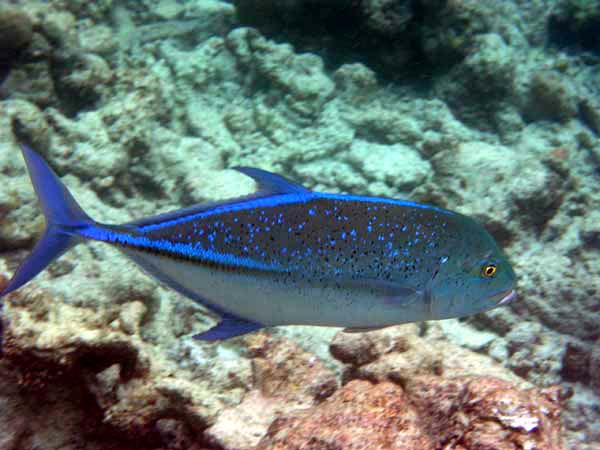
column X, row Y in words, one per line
column 63, row 219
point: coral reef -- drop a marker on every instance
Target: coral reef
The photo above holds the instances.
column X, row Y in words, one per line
column 390, row 35
column 144, row 106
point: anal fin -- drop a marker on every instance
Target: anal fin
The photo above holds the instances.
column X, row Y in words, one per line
column 228, row 327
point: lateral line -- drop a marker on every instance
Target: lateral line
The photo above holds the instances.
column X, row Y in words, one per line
column 179, row 251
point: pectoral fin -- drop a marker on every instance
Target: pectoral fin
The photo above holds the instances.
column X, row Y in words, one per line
column 361, row 329
column 403, row 296
column 389, row 292
column 228, row 327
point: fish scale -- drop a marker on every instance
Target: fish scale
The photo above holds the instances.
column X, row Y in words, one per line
column 288, row 255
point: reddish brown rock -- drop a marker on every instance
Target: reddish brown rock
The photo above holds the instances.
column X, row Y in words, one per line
column 487, row 413
column 475, row 413
column 359, row 416
column 355, row 349
column 282, row 369
column 450, row 398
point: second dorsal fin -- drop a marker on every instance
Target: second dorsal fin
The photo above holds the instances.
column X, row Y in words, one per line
column 271, row 183
column 268, row 184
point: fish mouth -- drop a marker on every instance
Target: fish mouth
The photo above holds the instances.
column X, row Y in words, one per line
column 504, row 297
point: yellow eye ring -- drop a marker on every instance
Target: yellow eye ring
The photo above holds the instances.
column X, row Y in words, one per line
column 489, row 270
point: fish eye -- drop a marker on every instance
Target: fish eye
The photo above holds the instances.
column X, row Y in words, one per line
column 489, row 270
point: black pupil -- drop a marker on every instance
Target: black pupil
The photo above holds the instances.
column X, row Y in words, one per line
column 490, row 270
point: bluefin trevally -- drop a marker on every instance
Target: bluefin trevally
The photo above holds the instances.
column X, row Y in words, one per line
column 287, row 255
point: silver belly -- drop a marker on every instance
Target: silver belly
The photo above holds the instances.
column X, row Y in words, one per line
column 272, row 299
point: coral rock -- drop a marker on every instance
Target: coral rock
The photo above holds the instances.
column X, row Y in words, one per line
column 487, row 413
column 16, row 30
column 98, row 361
column 400, row 355
column 461, row 398
column 358, row 416
column 286, row 379
column 466, row 412
column 595, row 367
column 244, row 425
column 282, row 369
column 551, row 97
column 388, row 17
column 590, row 114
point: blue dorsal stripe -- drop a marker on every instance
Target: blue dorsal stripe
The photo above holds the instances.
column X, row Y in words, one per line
column 274, row 201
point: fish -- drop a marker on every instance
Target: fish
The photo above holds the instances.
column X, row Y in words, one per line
column 288, row 255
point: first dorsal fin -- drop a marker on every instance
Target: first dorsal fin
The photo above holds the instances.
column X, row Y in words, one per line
column 271, row 183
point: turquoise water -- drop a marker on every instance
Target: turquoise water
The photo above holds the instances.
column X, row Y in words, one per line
column 491, row 109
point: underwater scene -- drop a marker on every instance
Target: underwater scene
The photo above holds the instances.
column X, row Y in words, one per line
column 300, row 224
